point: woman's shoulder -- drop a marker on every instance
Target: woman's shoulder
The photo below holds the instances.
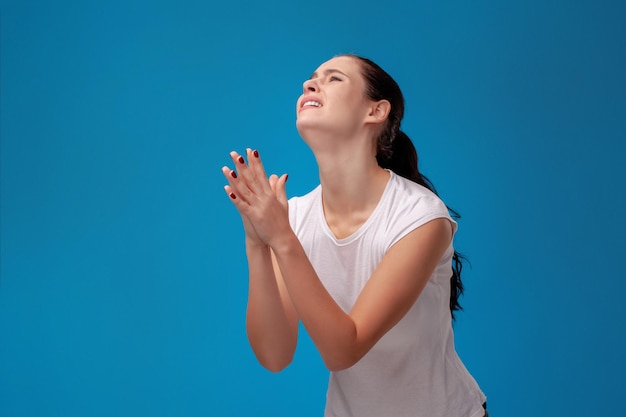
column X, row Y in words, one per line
column 407, row 191
column 410, row 200
column 411, row 205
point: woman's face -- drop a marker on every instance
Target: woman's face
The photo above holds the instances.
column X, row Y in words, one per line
column 333, row 99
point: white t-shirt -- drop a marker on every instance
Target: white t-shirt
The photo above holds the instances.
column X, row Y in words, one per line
column 413, row 370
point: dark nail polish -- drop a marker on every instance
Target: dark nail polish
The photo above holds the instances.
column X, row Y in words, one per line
column 240, row 159
column 233, row 174
column 233, row 196
column 256, row 153
column 286, row 177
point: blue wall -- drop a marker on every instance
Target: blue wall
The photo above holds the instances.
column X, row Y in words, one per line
column 123, row 274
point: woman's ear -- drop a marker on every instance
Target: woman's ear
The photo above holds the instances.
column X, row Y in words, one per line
column 379, row 111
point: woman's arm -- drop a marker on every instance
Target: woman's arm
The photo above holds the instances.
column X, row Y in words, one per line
column 341, row 338
column 271, row 321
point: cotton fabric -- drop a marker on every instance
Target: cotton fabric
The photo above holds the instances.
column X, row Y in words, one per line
column 413, row 370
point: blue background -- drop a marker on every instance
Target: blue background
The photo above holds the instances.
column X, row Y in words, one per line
column 123, row 274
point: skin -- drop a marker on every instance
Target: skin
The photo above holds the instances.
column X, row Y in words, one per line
column 283, row 286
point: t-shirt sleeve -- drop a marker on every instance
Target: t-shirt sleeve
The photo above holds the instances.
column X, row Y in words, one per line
column 413, row 213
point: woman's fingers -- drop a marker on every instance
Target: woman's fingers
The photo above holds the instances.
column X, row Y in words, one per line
column 242, row 179
column 240, row 163
column 261, row 201
column 278, row 187
column 251, row 174
column 281, row 190
column 234, row 189
column 248, row 182
column 256, row 165
column 273, row 178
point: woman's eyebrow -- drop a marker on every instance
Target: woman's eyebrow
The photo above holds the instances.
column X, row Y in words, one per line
column 328, row 71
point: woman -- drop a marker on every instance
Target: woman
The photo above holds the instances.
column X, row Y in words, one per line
column 364, row 260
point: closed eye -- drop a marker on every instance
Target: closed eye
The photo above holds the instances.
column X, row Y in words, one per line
column 334, row 78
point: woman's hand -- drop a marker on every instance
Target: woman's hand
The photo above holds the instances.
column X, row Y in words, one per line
column 261, row 201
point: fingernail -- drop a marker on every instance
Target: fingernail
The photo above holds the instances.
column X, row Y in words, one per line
column 256, row 153
column 240, row 159
column 233, row 174
column 286, row 177
column 233, row 196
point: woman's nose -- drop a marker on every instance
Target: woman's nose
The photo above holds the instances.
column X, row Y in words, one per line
column 310, row 86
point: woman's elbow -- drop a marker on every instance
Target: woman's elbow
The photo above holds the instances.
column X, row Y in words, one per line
column 341, row 362
column 275, row 368
column 275, row 363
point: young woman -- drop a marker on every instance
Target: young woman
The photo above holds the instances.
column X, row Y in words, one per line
column 364, row 260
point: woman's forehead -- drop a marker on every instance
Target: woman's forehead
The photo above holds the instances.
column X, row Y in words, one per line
column 344, row 63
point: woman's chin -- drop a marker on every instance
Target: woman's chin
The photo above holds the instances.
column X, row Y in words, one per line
column 306, row 127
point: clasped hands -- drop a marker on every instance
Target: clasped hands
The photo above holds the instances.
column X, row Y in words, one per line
column 261, row 201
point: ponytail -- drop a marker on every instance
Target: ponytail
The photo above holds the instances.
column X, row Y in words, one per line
column 395, row 151
column 401, row 157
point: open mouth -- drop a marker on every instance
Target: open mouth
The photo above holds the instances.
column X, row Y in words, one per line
column 311, row 103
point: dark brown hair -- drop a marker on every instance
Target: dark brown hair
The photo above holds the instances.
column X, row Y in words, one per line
column 395, row 151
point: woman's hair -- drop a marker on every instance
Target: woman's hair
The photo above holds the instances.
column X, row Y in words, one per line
column 395, row 151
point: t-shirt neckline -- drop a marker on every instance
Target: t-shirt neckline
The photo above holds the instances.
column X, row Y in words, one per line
column 366, row 224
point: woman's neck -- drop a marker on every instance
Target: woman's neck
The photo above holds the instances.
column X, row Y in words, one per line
column 352, row 184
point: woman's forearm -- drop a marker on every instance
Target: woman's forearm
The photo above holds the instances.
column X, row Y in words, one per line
column 331, row 329
column 272, row 329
